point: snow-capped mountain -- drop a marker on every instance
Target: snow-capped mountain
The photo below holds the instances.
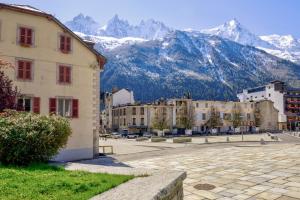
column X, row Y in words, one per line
column 286, row 47
column 119, row 28
column 235, row 31
column 149, row 29
column 83, row 24
column 156, row 61
column 210, row 67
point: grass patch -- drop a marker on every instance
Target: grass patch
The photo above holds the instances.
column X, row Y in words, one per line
column 41, row 182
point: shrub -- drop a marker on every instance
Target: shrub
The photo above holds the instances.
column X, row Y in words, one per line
column 139, row 139
column 182, row 140
column 28, row 138
column 158, row 139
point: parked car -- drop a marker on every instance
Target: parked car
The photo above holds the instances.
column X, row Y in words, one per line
column 132, row 135
column 147, row 134
column 124, row 133
column 116, row 135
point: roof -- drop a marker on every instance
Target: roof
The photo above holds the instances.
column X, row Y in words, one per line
column 34, row 11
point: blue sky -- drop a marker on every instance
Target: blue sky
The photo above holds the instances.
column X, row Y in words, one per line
column 259, row 16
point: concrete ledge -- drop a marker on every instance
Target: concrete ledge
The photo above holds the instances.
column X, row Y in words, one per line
column 161, row 185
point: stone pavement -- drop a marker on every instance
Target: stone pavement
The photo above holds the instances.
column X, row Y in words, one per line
column 238, row 172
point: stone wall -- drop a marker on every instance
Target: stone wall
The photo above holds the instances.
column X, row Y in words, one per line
column 161, row 185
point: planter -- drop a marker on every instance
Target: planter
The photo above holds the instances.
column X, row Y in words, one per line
column 182, row 140
column 158, row 139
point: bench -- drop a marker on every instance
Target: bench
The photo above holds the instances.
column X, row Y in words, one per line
column 105, row 147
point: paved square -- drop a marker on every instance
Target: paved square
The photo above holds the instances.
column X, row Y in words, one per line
column 238, row 172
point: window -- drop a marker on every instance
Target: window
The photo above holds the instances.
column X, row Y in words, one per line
column 64, row 74
column 206, row 105
column 248, row 116
column 65, row 107
column 124, row 112
column 197, row 105
column 133, row 121
column 269, row 95
column 24, row 70
column 142, row 121
column 25, row 36
column 134, row 111
column 124, row 121
column 142, row 111
column 65, row 43
column 25, row 104
column 203, row 116
column 29, row 104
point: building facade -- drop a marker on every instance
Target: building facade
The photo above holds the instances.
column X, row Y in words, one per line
column 55, row 71
column 285, row 100
column 274, row 92
column 292, row 108
column 138, row 118
column 116, row 98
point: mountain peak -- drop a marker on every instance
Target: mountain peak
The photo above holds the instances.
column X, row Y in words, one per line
column 83, row 24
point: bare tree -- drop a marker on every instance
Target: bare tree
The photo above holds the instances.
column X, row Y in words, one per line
column 214, row 120
column 236, row 116
column 160, row 121
column 186, row 117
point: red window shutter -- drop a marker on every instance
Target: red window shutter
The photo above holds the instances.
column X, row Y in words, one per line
column 68, row 44
column 20, row 69
column 68, row 74
column 28, row 70
column 29, row 37
column 36, row 105
column 22, row 36
column 61, row 74
column 52, row 105
column 75, row 108
column 62, row 43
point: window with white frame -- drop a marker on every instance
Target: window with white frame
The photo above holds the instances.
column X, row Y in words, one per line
column 64, row 107
column 25, row 104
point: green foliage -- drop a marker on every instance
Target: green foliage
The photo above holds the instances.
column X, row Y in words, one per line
column 27, row 138
column 158, row 139
column 43, row 182
column 182, row 140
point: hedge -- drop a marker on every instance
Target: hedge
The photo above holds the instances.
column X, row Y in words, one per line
column 27, row 138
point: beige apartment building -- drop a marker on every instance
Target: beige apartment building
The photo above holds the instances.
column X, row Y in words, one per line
column 55, row 71
column 260, row 114
column 138, row 118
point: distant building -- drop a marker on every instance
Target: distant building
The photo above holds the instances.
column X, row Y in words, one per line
column 292, row 108
column 274, row 92
column 116, row 98
column 56, row 72
column 138, row 118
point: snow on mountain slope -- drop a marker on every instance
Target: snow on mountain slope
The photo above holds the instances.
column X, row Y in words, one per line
column 235, row 31
column 208, row 66
column 286, row 47
column 119, row 28
column 103, row 43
